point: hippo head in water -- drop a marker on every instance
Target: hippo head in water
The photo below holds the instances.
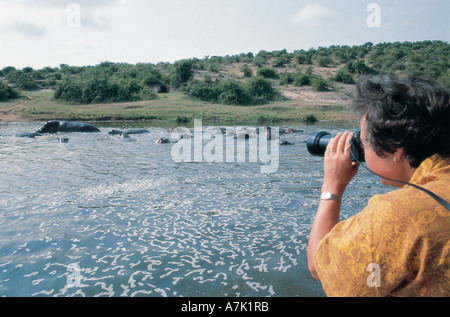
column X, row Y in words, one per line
column 56, row 126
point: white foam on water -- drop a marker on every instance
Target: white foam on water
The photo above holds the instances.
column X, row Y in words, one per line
column 138, row 224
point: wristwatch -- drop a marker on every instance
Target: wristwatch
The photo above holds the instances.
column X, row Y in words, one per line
column 329, row 196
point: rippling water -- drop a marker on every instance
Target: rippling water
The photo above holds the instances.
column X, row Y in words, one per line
column 100, row 216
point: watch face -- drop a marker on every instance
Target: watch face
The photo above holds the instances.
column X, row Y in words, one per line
column 327, row 196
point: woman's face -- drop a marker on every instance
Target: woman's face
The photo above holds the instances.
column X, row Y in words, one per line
column 398, row 169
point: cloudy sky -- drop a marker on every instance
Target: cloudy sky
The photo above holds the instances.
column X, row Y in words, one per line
column 41, row 33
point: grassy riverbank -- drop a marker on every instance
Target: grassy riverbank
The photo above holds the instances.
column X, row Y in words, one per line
column 171, row 107
column 268, row 87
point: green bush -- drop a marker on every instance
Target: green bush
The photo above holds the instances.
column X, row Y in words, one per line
column 147, row 94
column 267, row 72
column 98, row 87
column 181, row 73
column 319, row 84
column 359, row 68
column 302, row 80
column 281, row 61
column 343, row 76
column 152, row 78
column 69, row 90
column 261, row 89
column 286, row 78
column 7, row 92
column 323, row 61
column 246, row 70
column 297, row 79
column 232, row 93
column 7, row 70
column 182, row 119
column 229, row 92
column 26, row 82
column 303, row 58
column 22, row 79
column 254, row 91
column 204, row 90
column 214, row 67
column 108, row 82
column 310, row 119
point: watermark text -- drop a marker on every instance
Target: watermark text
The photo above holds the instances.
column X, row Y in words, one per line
column 216, row 145
column 73, row 15
column 374, row 278
column 74, row 278
column 374, row 18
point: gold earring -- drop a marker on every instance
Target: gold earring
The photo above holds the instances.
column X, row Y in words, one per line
column 395, row 159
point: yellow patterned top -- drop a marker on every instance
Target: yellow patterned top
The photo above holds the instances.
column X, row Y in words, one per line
column 397, row 246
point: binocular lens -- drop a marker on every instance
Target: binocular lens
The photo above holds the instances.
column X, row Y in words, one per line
column 317, row 145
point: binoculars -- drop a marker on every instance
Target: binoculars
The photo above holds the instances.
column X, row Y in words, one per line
column 318, row 141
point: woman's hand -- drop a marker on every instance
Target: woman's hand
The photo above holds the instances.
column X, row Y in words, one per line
column 339, row 170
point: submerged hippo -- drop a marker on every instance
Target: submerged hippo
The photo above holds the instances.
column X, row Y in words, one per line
column 126, row 137
column 129, row 131
column 23, row 135
column 29, row 135
column 63, row 140
column 137, row 131
column 162, row 141
column 67, row 126
column 291, row 130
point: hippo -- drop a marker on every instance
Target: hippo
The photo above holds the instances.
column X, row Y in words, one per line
column 63, row 140
column 29, row 135
column 126, row 137
column 162, row 141
column 23, row 135
column 130, row 131
column 137, row 131
column 114, row 132
column 67, row 126
column 292, row 130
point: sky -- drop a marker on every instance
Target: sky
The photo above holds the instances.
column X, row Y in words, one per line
column 41, row 33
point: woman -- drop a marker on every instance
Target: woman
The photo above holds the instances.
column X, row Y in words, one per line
column 399, row 244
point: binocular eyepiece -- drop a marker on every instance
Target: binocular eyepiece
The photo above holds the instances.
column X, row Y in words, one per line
column 317, row 144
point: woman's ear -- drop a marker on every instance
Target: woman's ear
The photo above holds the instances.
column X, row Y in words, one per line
column 400, row 155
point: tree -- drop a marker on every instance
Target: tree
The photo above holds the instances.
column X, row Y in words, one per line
column 246, row 70
column 204, row 90
column 152, row 77
column 181, row 73
column 323, row 61
column 343, row 76
column 24, row 81
column 232, row 93
column 303, row 58
column 7, row 92
column 7, row 70
column 261, row 89
column 302, row 80
column 319, row 84
column 267, row 72
column 286, row 78
column 297, row 79
column 69, row 90
column 27, row 69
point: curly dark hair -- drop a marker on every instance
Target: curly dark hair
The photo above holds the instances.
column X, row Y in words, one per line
column 411, row 113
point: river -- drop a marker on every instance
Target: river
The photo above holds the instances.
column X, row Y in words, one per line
column 102, row 216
